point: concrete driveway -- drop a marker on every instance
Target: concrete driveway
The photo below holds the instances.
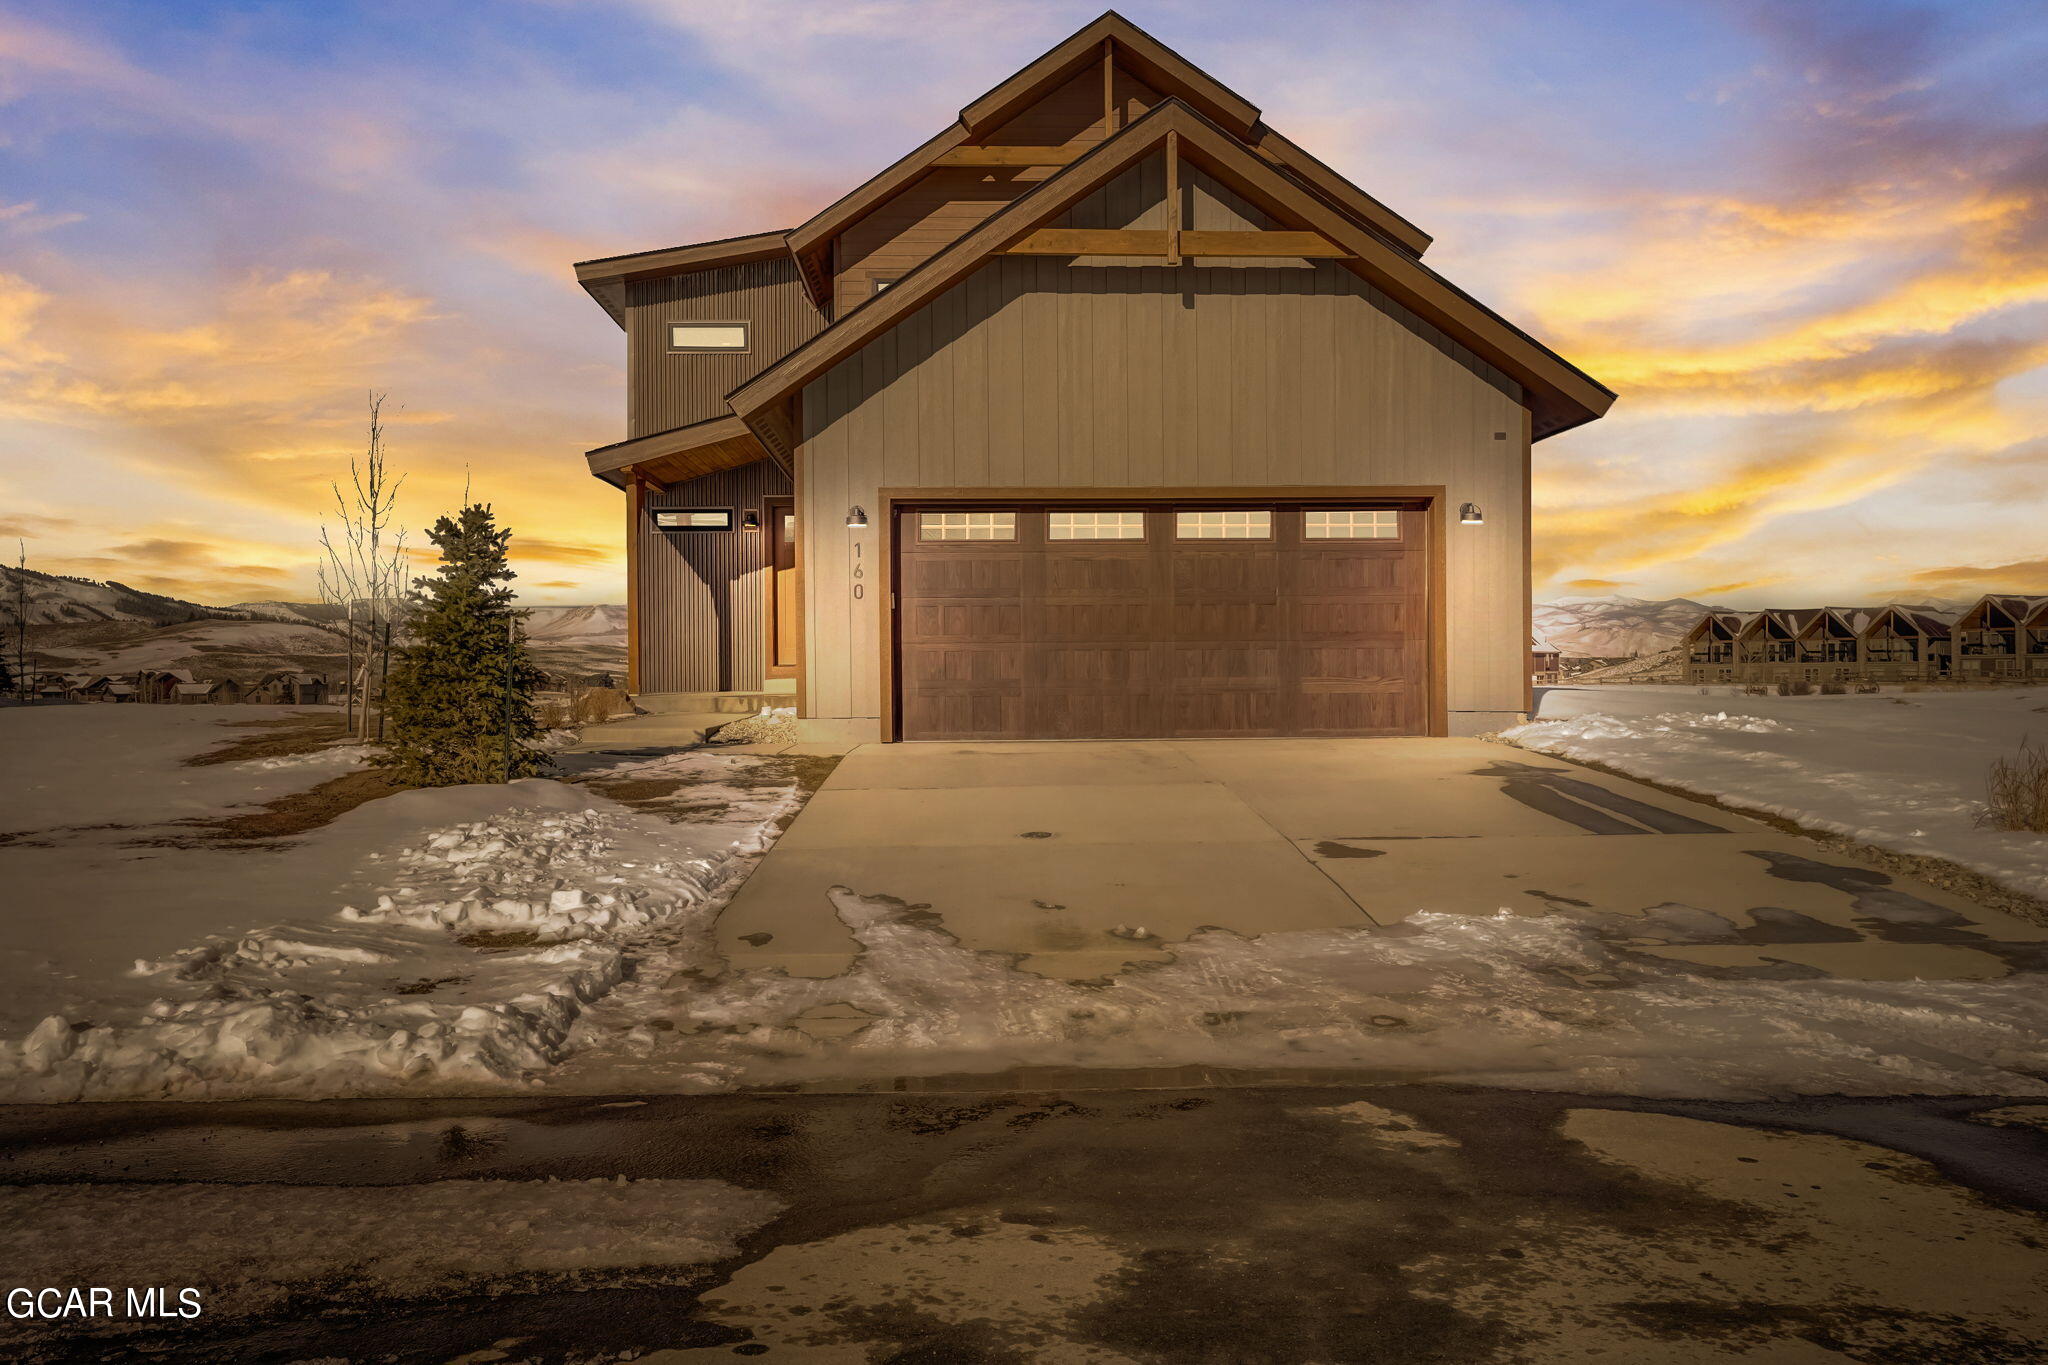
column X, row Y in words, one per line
column 1081, row 857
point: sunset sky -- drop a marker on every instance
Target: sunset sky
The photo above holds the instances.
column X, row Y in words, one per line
column 1806, row 242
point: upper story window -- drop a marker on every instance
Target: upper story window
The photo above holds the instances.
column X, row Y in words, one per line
column 880, row 282
column 707, row 336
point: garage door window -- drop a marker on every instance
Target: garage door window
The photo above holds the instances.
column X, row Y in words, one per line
column 1095, row 526
column 1223, row 525
column 1323, row 524
column 967, row 526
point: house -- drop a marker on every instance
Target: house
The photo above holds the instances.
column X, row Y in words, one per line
column 1992, row 639
column 1906, row 644
column 162, row 684
column 220, row 692
column 1830, row 644
column 1711, row 654
column 1546, row 666
column 1767, row 647
column 288, row 689
column 1109, row 411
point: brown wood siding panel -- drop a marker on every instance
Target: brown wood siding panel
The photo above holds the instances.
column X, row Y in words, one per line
column 671, row 389
column 1331, row 384
column 701, row 595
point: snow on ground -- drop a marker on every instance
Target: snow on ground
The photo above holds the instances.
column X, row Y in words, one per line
column 1902, row 770
column 255, row 1247
column 444, row 938
column 1555, row 1002
column 477, row 938
column 68, row 766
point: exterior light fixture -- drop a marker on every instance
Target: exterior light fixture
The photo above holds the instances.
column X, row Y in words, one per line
column 750, row 520
column 856, row 518
column 1470, row 515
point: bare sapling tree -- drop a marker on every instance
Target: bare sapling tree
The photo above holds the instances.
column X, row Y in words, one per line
column 21, row 618
column 363, row 568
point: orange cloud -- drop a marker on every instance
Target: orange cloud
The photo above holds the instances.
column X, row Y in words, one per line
column 2023, row 576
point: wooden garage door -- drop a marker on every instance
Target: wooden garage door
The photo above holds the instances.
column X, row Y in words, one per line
column 1119, row 621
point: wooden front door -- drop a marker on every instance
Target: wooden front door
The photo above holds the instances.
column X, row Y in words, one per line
column 785, row 609
column 1100, row 621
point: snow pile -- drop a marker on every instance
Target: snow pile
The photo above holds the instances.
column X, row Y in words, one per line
column 521, row 876
column 1546, row 1003
column 1615, row 727
column 462, row 960
column 1904, row 773
column 339, row 757
column 253, row 1248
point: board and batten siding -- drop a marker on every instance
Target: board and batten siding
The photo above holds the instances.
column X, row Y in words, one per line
column 1032, row 373
column 703, row 594
column 667, row 389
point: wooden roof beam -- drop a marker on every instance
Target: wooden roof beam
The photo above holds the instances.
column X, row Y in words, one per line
column 1010, row 156
column 1155, row 242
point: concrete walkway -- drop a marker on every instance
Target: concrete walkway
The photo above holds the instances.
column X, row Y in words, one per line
column 1085, row 856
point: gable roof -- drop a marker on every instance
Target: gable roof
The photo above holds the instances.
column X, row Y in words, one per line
column 1792, row 620
column 2015, row 607
column 1145, row 57
column 1934, row 625
column 1733, row 622
column 1560, row 395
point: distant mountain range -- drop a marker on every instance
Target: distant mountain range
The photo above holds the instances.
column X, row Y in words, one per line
column 1626, row 627
column 1615, row 627
column 79, row 624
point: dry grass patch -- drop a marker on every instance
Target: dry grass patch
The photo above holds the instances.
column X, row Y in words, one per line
column 590, row 706
column 274, row 737
column 2017, row 789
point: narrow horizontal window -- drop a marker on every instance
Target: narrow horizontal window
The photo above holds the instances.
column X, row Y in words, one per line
column 694, row 519
column 1095, row 526
column 967, row 526
column 1379, row 524
column 707, row 336
column 1223, row 525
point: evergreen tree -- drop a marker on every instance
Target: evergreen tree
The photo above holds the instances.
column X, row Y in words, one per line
column 458, row 706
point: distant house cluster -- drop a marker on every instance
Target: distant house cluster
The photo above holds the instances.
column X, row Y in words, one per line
column 178, row 687
column 2000, row 636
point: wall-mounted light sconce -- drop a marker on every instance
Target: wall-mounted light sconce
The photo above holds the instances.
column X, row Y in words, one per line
column 750, row 520
column 1470, row 515
column 856, row 518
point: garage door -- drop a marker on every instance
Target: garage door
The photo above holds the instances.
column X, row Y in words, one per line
column 1121, row 621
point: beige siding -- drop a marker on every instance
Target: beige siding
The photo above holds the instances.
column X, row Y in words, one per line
column 703, row 593
column 1031, row 373
column 671, row 389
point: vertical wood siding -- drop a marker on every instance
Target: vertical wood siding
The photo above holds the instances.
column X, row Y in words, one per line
column 671, row 389
column 1034, row 374
column 703, row 593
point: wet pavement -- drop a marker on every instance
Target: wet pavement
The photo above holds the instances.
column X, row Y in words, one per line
column 1056, row 852
column 1253, row 1223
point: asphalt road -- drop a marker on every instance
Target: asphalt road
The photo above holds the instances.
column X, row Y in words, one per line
column 1230, row 1224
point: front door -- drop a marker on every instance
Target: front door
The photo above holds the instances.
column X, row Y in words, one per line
column 785, row 613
